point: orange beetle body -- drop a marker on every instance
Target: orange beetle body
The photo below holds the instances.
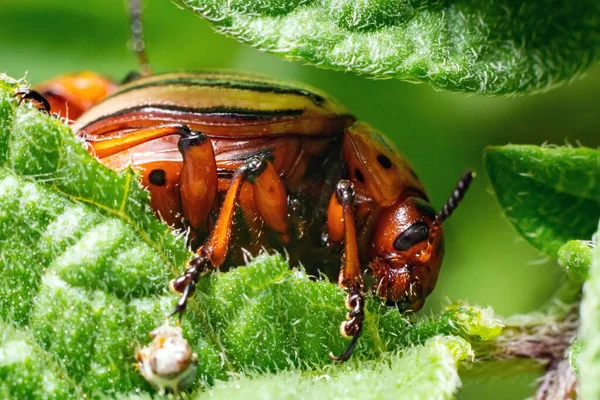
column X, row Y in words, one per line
column 242, row 161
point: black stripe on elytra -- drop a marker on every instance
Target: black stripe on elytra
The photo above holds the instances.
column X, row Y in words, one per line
column 262, row 87
column 245, row 114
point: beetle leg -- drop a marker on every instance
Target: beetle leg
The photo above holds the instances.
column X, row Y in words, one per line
column 335, row 221
column 214, row 251
column 350, row 275
column 198, row 182
column 251, row 214
column 105, row 146
column 270, row 197
column 33, row 95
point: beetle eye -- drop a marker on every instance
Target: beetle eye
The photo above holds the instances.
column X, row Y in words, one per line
column 415, row 233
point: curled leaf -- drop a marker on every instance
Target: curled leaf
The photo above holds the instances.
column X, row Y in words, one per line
column 550, row 194
column 491, row 47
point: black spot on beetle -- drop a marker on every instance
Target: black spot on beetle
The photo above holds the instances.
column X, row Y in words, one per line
column 359, row 176
column 158, row 177
column 384, row 161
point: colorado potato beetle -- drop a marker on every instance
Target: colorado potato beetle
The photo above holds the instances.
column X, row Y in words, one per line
column 242, row 161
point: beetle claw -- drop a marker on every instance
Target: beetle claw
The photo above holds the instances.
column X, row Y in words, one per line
column 348, row 351
column 179, row 316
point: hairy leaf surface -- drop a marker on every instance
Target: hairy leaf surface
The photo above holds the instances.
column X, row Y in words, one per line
column 550, row 194
column 420, row 372
column 491, row 46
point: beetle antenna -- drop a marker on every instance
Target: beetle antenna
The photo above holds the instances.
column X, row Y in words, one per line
column 456, row 196
column 451, row 204
column 137, row 36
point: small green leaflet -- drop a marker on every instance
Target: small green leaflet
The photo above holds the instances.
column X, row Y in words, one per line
column 575, row 257
column 490, row 47
column 550, row 194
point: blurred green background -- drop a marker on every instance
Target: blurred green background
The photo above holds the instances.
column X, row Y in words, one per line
column 487, row 263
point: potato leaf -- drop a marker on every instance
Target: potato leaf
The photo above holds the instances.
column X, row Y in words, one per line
column 79, row 245
column 491, row 47
column 427, row 371
column 85, row 265
column 550, row 194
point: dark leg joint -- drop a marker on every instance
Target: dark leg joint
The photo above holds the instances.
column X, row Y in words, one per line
column 345, row 192
column 33, row 95
column 189, row 138
column 186, row 283
column 254, row 167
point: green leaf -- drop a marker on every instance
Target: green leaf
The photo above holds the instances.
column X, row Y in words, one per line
column 491, row 47
column 588, row 363
column 550, row 194
column 576, row 257
column 79, row 249
column 297, row 320
column 85, row 265
column 427, row 371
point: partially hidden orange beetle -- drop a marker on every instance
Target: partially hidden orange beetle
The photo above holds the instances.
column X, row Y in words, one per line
column 242, row 161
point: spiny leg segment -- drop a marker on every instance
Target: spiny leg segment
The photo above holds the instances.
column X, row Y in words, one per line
column 350, row 274
column 213, row 253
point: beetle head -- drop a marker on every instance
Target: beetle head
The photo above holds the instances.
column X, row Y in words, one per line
column 408, row 248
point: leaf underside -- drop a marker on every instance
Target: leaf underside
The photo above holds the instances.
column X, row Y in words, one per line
column 490, row 47
column 550, row 194
column 85, row 265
